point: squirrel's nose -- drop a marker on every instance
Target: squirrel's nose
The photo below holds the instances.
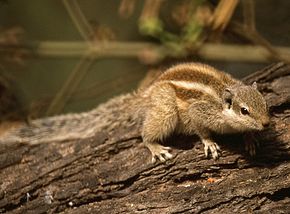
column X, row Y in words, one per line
column 266, row 123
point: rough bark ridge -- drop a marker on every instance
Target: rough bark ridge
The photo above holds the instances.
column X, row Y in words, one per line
column 112, row 172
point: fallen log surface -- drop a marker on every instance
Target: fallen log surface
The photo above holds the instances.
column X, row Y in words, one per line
column 112, row 172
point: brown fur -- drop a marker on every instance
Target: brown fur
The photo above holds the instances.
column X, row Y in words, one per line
column 196, row 72
column 193, row 98
column 186, row 94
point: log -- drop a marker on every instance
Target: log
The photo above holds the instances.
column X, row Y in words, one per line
column 111, row 172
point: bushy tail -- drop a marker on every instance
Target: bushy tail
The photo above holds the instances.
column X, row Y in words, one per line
column 107, row 116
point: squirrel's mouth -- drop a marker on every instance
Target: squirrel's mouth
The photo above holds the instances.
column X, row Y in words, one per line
column 236, row 128
column 259, row 127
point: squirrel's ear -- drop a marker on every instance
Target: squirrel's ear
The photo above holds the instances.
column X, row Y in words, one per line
column 254, row 85
column 227, row 97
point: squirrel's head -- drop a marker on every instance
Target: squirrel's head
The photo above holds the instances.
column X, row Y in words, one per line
column 245, row 108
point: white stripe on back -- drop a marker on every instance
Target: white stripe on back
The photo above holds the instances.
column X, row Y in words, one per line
column 195, row 86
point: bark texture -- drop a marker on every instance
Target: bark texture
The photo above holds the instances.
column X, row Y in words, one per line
column 112, row 172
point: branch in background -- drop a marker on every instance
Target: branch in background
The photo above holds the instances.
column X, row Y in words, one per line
column 240, row 53
column 78, row 18
column 77, row 75
column 224, row 52
column 256, row 38
column 223, row 14
column 141, row 50
column 249, row 14
column 248, row 30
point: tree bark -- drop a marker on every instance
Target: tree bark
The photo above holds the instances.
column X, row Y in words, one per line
column 112, row 172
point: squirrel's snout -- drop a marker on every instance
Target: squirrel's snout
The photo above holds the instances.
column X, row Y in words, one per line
column 266, row 122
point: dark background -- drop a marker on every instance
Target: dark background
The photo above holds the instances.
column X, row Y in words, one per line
column 40, row 78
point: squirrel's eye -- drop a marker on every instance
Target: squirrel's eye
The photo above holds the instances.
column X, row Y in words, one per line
column 244, row 111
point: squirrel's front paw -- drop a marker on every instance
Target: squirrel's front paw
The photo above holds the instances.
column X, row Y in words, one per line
column 159, row 152
column 212, row 146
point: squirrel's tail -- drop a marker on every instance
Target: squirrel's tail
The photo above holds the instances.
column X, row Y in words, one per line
column 107, row 116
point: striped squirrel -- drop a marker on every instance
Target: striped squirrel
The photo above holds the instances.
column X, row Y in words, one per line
column 194, row 98
column 189, row 98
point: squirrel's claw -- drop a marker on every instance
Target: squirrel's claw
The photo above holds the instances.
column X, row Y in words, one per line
column 159, row 152
column 212, row 146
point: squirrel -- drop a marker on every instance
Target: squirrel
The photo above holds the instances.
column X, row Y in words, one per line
column 188, row 98
column 194, row 98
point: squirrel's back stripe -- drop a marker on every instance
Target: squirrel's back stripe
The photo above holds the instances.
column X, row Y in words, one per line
column 198, row 73
column 192, row 90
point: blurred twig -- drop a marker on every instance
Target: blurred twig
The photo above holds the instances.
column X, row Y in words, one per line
column 248, row 30
column 82, row 67
column 229, row 52
column 223, row 14
column 256, row 38
column 78, row 18
column 240, row 53
column 244, row 53
column 249, row 14
column 114, row 49
column 252, row 33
